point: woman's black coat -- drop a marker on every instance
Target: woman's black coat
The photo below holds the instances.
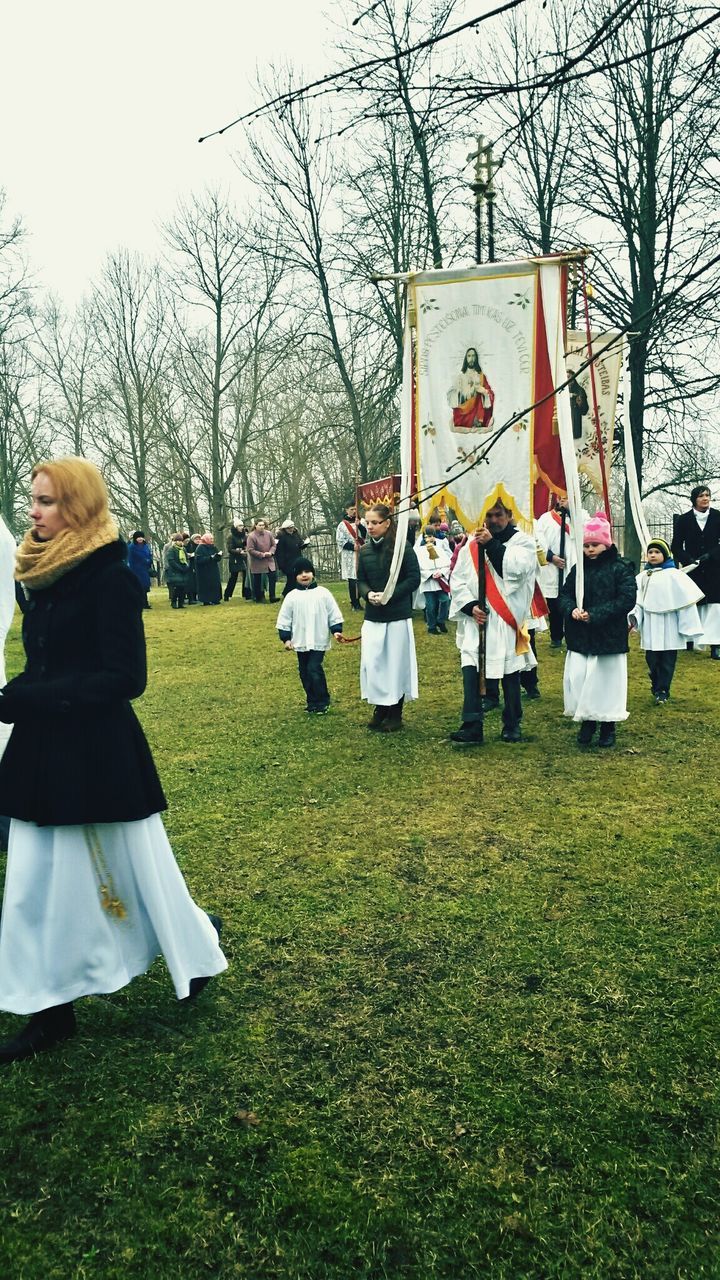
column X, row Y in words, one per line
column 207, row 573
column 374, row 560
column 77, row 754
column 610, row 591
column 235, row 543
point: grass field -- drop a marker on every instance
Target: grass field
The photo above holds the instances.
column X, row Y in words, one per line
column 470, row 1025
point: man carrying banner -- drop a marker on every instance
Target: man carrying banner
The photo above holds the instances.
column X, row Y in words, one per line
column 552, row 531
column 510, row 561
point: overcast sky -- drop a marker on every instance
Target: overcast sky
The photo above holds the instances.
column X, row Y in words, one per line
column 102, row 105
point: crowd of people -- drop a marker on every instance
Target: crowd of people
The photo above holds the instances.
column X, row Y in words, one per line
column 92, row 891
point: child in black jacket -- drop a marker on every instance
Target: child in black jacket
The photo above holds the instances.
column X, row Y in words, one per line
column 596, row 634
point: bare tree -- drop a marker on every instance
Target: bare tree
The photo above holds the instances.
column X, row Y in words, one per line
column 133, row 324
column 645, row 132
column 225, row 277
column 68, row 356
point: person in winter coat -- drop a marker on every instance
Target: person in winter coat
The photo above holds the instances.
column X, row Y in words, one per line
column 261, row 559
column 177, row 571
column 92, row 891
column 289, row 547
column 388, row 666
column 207, row 572
column 696, row 541
column 237, row 558
column 139, row 558
column 596, row 635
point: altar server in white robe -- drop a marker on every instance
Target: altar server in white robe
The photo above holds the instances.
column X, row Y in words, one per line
column 307, row 622
column 434, row 560
column 388, row 666
column 554, row 537
column 510, row 565
column 349, row 537
column 665, row 614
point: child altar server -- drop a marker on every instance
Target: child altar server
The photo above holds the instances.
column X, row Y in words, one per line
column 665, row 614
column 434, row 559
column 595, row 677
column 307, row 621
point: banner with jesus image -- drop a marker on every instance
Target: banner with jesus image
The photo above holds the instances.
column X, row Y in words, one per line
column 481, row 359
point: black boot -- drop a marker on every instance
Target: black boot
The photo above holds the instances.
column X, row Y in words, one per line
column 585, row 733
column 393, row 720
column 715, row 652
column 378, row 716
column 470, row 734
column 198, row 984
column 607, row 734
column 45, row 1029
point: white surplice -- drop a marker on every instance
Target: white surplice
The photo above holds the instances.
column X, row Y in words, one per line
column 516, row 586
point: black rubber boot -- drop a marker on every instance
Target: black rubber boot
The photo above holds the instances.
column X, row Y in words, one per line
column 607, row 734
column 585, row 733
column 378, row 716
column 715, row 652
column 393, row 720
column 45, row 1029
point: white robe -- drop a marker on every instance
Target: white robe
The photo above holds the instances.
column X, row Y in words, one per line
column 348, row 565
column 388, row 665
column 595, row 687
column 516, row 586
column 547, row 532
column 428, row 567
column 666, row 609
column 58, row 943
column 308, row 616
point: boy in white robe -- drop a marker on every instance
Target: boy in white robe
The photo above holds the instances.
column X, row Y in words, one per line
column 510, row 563
column 665, row 614
column 434, row 560
column 307, row 621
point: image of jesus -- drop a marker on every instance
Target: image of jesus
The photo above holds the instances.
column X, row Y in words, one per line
column 472, row 398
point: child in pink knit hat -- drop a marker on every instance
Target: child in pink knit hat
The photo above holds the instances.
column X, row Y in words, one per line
column 596, row 634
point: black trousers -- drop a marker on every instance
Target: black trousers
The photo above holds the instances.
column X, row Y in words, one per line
column 512, row 702
column 257, row 585
column 661, row 665
column 353, row 589
column 310, row 666
column 231, row 583
column 472, row 712
column 555, row 620
column 177, row 596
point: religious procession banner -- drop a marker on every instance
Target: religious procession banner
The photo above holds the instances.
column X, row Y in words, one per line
column 607, row 367
column 481, row 361
column 385, row 490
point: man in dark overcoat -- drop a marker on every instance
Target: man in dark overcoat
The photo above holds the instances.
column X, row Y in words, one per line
column 696, row 541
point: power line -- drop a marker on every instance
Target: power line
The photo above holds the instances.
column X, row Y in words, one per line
column 286, row 98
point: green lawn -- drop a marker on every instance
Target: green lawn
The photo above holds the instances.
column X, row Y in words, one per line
column 470, row 1025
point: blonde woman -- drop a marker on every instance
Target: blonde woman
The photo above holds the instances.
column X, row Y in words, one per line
column 92, row 891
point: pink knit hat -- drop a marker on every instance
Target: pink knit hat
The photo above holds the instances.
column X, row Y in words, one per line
column 206, row 539
column 597, row 529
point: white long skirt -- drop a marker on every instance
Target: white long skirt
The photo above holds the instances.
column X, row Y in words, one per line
column 595, row 688
column 388, row 666
column 58, row 943
column 710, row 620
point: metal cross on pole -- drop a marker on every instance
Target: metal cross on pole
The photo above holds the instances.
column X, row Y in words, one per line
column 483, row 189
